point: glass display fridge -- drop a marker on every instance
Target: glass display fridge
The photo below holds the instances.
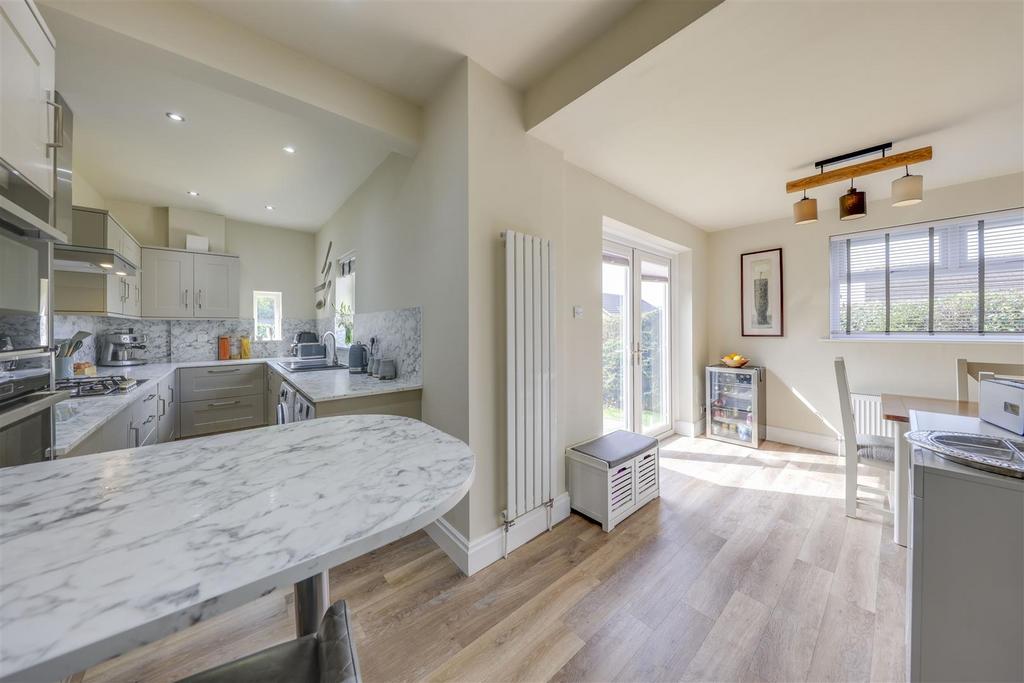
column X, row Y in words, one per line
column 735, row 404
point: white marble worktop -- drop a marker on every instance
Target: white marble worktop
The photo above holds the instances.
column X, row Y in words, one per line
column 106, row 552
column 78, row 418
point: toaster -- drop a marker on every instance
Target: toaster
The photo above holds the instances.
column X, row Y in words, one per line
column 1001, row 402
column 310, row 350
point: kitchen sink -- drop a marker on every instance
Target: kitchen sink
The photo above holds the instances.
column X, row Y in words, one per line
column 310, row 365
column 1002, row 455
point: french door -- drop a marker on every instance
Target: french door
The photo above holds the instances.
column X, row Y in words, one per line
column 635, row 335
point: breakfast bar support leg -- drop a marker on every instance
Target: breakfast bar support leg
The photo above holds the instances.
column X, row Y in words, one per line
column 312, row 597
column 901, row 482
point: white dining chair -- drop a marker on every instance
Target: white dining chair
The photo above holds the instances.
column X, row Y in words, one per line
column 979, row 371
column 877, row 452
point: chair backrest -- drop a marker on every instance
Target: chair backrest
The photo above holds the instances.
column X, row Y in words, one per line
column 846, row 407
column 979, row 371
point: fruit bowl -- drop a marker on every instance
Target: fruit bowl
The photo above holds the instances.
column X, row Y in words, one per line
column 734, row 362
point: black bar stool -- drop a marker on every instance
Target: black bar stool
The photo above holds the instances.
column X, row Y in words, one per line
column 327, row 656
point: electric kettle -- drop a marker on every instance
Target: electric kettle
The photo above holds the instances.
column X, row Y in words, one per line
column 358, row 358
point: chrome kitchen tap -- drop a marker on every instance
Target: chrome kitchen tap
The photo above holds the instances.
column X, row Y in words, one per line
column 333, row 347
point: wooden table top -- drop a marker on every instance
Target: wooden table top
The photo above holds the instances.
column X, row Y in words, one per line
column 896, row 407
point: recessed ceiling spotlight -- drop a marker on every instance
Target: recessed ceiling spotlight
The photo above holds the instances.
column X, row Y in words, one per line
column 289, row 149
column 174, row 116
column 193, row 193
column 120, row 272
column 269, row 207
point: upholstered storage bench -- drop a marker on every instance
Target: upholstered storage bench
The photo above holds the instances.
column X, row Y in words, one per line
column 613, row 476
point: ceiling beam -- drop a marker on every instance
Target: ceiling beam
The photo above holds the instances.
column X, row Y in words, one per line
column 914, row 156
column 641, row 30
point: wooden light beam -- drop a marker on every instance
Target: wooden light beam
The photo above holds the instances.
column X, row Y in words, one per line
column 914, row 156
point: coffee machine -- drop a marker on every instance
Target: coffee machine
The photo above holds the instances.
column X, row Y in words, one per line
column 118, row 348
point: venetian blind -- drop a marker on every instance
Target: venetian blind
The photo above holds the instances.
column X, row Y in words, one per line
column 956, row 277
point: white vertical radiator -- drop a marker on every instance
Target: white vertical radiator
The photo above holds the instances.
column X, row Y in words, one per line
column 529, row 358
column 867, row 415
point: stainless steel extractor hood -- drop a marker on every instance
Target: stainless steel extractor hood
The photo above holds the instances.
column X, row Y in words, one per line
column 90, row 260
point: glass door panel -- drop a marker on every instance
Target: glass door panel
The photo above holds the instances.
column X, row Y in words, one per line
column 616, row 339
column 653, row 344
column 732, row 400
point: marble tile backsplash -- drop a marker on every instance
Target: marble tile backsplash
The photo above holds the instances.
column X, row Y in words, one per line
column 398, row 335
column 177, row 340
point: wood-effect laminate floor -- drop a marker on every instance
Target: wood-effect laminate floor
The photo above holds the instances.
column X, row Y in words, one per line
column 745, row 569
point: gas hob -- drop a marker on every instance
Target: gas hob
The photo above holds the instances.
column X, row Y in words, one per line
column 85, row 387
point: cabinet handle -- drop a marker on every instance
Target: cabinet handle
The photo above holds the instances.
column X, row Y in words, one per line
column 222, row 403
column 150, row 397
column 199, row 298
column 218, row 372
column 136, row 430
column 186, row 298
column 58, row 127
column 163, row 407
column 172, row 393
column 148, row 420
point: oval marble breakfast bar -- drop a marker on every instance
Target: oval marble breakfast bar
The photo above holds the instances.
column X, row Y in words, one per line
column 106, row 552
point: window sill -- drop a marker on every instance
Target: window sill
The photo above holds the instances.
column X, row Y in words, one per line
column 926, row 339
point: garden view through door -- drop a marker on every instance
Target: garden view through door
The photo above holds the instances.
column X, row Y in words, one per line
column 636, row 382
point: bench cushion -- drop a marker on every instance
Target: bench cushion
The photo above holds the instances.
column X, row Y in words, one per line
column 617, row 447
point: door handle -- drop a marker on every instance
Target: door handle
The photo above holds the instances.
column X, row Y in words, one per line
column 58, row 127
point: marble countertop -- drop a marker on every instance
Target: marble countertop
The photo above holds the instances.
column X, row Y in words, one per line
column 103, row 553
column 78, row 418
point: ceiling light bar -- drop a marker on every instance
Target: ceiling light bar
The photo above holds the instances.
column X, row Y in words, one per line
column 883, row 148
column 845, row 173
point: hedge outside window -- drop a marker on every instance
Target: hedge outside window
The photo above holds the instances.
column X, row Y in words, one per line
column 957, row 278
column 266, row 308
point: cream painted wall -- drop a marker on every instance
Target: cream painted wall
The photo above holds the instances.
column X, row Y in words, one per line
column 516, row 182
column 408, row 225
column 184, row 222
column 276, row 260
column 589, row 200
column 84, row 194
column 801, row 385
column 147, row 224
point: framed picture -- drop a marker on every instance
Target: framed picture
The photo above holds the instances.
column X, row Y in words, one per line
column 761, row 293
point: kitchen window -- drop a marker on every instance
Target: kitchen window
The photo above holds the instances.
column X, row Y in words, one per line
column 960, row 278
column 266, row 308
column 345, row 300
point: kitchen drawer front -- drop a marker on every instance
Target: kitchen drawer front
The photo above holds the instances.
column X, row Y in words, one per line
column 206, row 383
column 145, row 413
column 221, row 415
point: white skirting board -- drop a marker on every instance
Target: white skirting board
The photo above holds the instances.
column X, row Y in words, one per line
column 471, row 557
column 819, row 442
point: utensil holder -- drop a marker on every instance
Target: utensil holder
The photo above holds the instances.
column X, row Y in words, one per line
column 64, row 368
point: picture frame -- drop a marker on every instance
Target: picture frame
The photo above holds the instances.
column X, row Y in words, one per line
column 761, row 294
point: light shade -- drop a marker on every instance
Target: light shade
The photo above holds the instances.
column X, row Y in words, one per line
column 907, row 190
column 852, row 205
column 805, row 211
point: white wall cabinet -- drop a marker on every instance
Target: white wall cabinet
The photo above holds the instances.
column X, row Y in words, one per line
column 184, row 284
column 28, row 115
column 111, row 294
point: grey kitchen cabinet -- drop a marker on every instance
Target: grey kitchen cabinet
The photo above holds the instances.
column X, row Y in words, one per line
column 185, row 284
column 145, row 415
column 221, row 415
column 274, row 380
column 19, row 277
column 168, row 291
column 221, row 381
column 221, row 398
column 29, row 117
column 167, row 418
column 111, row 294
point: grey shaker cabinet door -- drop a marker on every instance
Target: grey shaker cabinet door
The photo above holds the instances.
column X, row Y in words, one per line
column 168, row 291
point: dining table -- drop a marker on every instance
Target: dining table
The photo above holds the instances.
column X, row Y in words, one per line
column 897, row 409
column 103, row 553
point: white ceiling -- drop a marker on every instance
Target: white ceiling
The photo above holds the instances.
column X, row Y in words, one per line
column 409, row 46
column 712, row 123
column 229, row 149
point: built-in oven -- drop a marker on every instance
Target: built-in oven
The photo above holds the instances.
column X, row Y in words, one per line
column 26, row 415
